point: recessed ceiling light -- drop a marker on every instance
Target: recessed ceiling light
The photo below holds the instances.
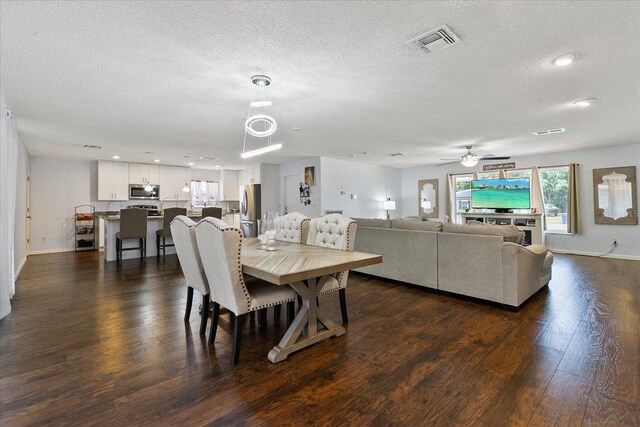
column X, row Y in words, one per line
column 115, row 156
column 217, row 166
column 296, row 129
column 190, row 163
column 156, row 160
column 585, row 102
column 564, row 60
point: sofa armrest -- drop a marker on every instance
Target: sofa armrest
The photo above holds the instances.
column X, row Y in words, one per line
column 521, row 270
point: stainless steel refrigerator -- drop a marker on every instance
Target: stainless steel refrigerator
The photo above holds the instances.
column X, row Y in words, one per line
column 250, row 209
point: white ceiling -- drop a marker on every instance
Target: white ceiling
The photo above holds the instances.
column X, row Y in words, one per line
column 173, row 78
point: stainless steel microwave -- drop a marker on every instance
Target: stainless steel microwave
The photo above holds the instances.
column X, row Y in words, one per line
column 142, row 192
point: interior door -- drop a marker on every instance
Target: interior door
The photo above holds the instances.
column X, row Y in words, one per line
column 291, row 193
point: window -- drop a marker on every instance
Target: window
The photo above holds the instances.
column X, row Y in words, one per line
column 519, row 173
column 555, row 187
column 203, row 193
column 463, row 196
column 489, row 175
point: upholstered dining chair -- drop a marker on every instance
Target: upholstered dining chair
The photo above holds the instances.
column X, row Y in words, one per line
column 292, row 227
column 184, row 239
column 169, row 214
column 212, row 212
column 220, row 247
column 338, row 232
column 133, row 225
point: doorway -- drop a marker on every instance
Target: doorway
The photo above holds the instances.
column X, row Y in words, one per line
column 291, row 193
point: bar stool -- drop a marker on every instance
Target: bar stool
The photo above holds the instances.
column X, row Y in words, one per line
column 165, row 231
column 133, row 225
column 212, row 212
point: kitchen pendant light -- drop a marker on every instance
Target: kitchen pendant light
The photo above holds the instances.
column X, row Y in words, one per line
column 148, row 187
column 186, row 188
column 259, row 123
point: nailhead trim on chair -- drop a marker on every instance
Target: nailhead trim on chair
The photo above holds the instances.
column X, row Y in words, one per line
column 244, row 286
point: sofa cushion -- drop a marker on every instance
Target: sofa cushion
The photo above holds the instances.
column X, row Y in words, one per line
column 409, row 224
column 509, row 233
column 373, row 222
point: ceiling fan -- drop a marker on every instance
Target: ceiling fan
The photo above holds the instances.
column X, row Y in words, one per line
column 470, row 159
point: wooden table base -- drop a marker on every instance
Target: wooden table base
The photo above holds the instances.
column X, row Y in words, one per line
column 305, row 324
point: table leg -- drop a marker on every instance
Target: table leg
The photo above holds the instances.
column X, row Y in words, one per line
column 306, row 321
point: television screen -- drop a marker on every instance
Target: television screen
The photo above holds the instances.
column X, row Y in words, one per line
column 505, row 193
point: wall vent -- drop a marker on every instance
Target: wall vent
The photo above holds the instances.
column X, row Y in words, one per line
column 94, row 147
column 549, row 131
column 397, row 154
column 333, row 211
column 434, row 40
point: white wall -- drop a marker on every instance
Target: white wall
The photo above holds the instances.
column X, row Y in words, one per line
column 57, row 186
column 270, row 186
column 371, row 183
column 593, row 238
column 297, row 168
column 20, row 245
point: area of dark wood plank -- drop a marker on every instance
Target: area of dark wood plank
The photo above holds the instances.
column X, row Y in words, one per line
column 94, row 343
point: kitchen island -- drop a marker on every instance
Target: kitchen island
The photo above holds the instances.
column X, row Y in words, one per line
column 112, row 226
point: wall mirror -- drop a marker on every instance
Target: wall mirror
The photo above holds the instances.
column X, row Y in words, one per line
column 614, row 195
column 428, row 198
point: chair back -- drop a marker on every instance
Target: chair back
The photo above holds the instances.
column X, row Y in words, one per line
column 292, row 227
column 169, row 214
column 212, row 212
column 220, row 247
column 133, row 223
column 184, row 238
column 334, row 231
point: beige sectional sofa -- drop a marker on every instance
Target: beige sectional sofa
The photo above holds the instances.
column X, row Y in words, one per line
column 479, row 261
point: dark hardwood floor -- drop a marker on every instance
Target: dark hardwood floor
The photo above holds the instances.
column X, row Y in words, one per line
column 92, row 343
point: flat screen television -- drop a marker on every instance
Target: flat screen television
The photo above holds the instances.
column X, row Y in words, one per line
column 501, row 194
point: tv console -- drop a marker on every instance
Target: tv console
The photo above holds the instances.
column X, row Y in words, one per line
column 531, row 224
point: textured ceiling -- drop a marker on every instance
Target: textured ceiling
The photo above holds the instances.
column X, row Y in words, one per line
column 173, row 78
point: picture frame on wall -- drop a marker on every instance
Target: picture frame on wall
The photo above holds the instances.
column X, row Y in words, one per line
column 310, row 175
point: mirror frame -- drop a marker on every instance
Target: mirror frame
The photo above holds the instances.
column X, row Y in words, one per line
column 632, row 213
column 436, row 207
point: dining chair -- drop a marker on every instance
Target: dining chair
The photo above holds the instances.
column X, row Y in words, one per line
column 184, row 238
column 292, row 227
column 220, row 247
column 334, row 231
column 212, row 212
column 133, row 225
column 169, row 214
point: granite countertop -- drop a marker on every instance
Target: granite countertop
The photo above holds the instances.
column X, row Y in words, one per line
column 116, row 217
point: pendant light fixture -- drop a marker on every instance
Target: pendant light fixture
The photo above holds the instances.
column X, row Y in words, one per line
column 259, row 123
column 186, row 188
column 148, row 187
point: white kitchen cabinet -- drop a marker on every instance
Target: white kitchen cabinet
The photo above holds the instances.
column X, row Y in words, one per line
column 229, row 190
column 113, row 180
column 172, row 180
column 252, row 175
column 141, row 173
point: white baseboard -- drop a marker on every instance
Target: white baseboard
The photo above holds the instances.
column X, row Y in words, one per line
column 596, row 254
column 49, row 251
column 24, row 261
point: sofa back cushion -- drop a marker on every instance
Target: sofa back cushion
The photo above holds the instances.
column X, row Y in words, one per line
column 409, row 224
column 373, row 222
column 509, row 233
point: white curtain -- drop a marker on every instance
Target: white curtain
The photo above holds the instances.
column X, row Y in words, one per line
column 537, row 198
column 619, row 196
column 9, row 143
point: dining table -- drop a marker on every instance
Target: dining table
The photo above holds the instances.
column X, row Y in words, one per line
column 302, row 267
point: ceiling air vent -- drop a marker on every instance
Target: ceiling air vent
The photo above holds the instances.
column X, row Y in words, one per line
column 549, row 131
column 94, row 147
column 434, row 40
column 397, row 154
column 208, row 158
